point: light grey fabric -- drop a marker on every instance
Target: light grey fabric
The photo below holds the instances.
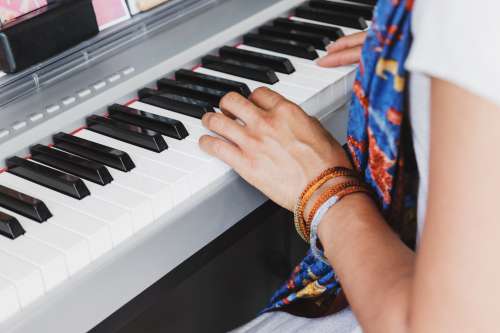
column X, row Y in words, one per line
column 342, row 322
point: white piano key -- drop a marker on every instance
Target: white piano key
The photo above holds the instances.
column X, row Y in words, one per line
column 119, row 221
column 74, row 247
column 160, row 194
column 136, row 204
column 96, row 232
column 26, row 277
column 49, row 261
column 292, row 92
column 9, row 302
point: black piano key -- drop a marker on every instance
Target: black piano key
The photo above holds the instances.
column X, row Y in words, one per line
column 343, row 7
column 332, row 17
column 10, row 226
column 279, row 64
column 241, row 69
column 180, row 104
column 191, row 90
column 133, row 134
column 166, row 126
column 109, row 156
column 213, row 82
column 320, row 42
column 333, row 33
column 54, row 179
column 72, row 164
column 24, row 205
column 297, row 49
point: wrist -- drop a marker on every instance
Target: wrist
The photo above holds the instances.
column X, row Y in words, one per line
column 353, row 207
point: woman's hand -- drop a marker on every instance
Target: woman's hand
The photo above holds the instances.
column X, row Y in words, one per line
column 272, row 143
column 345, row 51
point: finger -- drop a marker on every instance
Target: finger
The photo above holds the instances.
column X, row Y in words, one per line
column 347, row 42
column 223, row 150
column 225, row 127
column 266, row 98
column 235, row 105
column 342, row 58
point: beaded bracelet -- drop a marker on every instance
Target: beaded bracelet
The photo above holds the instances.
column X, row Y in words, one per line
column 330, row 192
column 311, row 188
column 322, row 210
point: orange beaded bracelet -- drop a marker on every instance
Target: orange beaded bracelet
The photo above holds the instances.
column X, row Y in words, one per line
column 312, row 187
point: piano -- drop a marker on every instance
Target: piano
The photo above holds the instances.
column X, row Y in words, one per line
column 103, row 189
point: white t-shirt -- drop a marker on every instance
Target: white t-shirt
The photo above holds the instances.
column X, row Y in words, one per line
column 457, row 41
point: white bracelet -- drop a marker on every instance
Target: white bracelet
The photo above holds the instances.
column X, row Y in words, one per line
column 320, row 213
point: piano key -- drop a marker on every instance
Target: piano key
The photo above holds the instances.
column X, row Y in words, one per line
column 159, row 191
column 241, row 69
column 119, row 222
column 132, row 134
column 97, row 233
column 9, row 302
column 72, row 164
column 298, row 49
column 333, row 33
column 10, row 226
column 193, row 125
column 56, row 180
column 279, row 64
column 318, row 41
column 108, row 156
column 74, row 247
column 212, row 82
column 184, row 105
column 188, row 89
column 24, row 204
column 309, row 68
column 332, row 17
column 292, row 92
column 343, row 7
column 50, row 262
column 26, row 277
column 345, row 30
column 136, row 204
column 164, row 125
column 181, row 180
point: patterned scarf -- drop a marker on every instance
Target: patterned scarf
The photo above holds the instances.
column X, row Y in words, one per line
column 377, row 142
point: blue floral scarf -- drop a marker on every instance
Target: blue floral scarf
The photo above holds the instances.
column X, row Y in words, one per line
column 376, row 142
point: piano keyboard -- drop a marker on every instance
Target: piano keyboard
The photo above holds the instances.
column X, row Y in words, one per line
column 70, row 202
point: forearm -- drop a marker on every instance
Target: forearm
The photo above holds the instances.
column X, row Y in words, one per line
column 373, row 265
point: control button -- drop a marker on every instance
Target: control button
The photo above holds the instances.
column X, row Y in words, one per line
column 84, row 93
column 128, row 70
column 4, row 133
column 52, row 108
column 18, row 125
column 114, row 78
column 36, row 117
column 99, row 85
column 69, row 100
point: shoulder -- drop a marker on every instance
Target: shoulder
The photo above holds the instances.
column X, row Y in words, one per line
column 457, row 41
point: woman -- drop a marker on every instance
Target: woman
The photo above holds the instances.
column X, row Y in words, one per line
column 450, row 283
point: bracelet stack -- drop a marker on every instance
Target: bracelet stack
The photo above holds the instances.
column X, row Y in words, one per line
column 307, row 226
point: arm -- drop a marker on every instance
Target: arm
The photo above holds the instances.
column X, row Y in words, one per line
column 279, row 149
